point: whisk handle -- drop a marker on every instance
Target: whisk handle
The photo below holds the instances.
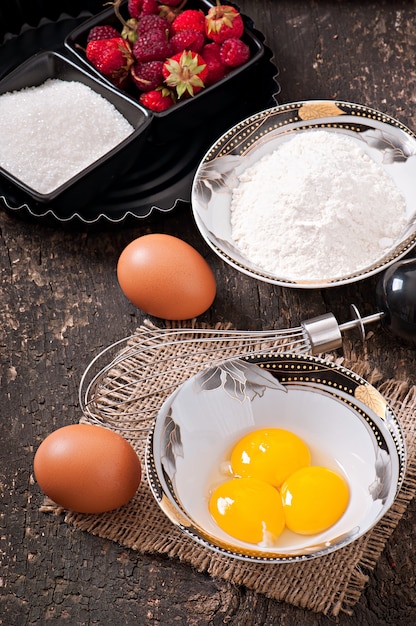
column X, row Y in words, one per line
column 396, row 297
column 322, row 333
column 359, row 322
column 396, row 301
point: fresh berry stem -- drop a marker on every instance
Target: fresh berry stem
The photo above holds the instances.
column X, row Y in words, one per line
column 116, row 5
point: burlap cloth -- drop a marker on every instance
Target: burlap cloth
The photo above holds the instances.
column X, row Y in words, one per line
column 329, row 585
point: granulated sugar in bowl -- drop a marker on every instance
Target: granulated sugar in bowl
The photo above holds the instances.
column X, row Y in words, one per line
column 65, row 134
column 59, row 128
column 310, row 194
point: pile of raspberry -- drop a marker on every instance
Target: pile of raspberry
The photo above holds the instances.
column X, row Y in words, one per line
column 166, row 51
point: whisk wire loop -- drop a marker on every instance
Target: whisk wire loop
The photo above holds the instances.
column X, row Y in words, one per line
column 148, row 365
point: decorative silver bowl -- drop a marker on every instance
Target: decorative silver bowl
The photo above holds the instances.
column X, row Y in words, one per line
column 384, row 139
column 345, row 421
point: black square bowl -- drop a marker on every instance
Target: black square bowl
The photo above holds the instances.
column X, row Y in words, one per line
column 194, row 111
column 78, row 190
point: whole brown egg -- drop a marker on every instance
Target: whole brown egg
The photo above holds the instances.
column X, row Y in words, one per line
column 166, row 277
column 87, row 468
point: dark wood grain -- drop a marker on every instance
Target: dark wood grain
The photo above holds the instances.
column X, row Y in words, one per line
column 61, row 304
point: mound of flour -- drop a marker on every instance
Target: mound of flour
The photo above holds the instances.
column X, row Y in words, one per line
column 317, row 207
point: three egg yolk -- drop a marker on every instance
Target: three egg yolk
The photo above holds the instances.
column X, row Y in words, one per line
column 275, row 486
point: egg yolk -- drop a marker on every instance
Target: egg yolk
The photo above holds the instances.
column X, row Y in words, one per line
column 249, row 510
column 314, row 498
column 269, row 454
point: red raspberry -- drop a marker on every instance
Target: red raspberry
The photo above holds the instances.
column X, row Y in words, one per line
column 188, row 40
column 216, row 68
column 152, row 46
column 190, row 19
column 223, row 22
column 147, row 76
column 211, row 51
column 234, row 52
column 157, row 100
column 153, row 23
column 102, row 32
column 171, row 3
column 138, row 8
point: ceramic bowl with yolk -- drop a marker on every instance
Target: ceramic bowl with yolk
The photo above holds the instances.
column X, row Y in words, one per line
column 347, row 425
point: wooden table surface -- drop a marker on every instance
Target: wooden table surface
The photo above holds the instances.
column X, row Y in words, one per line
column 61, row 304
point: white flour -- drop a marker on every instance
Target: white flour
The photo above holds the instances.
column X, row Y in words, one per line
column 317, row 207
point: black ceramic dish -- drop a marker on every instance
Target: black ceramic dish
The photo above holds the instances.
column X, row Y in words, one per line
column 160, row 178
column 193, row 112
column 79, row 189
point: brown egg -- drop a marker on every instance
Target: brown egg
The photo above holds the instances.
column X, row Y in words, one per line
column 86, row 468
column 166, row 277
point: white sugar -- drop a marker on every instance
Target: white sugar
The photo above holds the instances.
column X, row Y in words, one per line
column 317, row 207
column 52, row 132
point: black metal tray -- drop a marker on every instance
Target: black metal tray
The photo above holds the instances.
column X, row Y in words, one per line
column 161, row 178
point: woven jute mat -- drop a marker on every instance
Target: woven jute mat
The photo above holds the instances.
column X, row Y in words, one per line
column 330, row 584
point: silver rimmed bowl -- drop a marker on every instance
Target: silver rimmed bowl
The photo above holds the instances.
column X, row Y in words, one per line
column 345, row 421
column 386, row 141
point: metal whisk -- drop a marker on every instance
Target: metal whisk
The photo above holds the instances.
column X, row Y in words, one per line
column 125, row 385
column 147, row 366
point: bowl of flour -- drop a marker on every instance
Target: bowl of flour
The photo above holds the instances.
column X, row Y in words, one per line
column 309, row 195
